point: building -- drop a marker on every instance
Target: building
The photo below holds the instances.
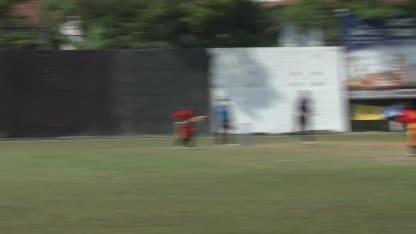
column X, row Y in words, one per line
column 29, row 12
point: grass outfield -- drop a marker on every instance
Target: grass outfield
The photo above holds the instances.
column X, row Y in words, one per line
column 355, row 183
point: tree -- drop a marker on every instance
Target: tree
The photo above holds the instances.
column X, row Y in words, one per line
column 313, row 14
column 165, row 23
column 5, row 13
column 14, row 32
column 228, row 23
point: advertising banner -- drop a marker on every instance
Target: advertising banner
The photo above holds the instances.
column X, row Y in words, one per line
column 365, row 112
column 380, row 57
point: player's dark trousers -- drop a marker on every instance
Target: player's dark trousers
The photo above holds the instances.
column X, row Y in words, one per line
column 221, row 133
column 305, row 135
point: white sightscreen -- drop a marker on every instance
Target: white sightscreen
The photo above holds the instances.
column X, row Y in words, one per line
column 263, row 85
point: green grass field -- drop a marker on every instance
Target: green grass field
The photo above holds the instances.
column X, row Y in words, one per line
column 361, row 183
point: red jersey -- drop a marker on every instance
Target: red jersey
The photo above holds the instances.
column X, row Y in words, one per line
column 407, row 117
column 182, row 115
column 185, row 115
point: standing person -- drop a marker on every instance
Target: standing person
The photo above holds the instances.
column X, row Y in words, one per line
column 221, row 114
column 408, row 118
column 184, row 127
column 303, row 115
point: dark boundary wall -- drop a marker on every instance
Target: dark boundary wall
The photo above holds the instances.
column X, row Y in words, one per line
column 76, row 93
column 56, row 93
column 4, row 96
column 151, row 84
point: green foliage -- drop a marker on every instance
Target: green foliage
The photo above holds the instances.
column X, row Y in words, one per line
column 96, row 37
column 192, row 23
column 226, row 23
column 18, row 38
column 372, row 8
column 4, row 9
column 164, row 23
column 12, row 33
column 308, row 14
column 56, row 11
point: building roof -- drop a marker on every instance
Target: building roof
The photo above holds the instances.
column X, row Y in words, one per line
column 29, row 12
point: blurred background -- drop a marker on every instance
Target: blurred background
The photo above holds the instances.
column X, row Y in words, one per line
column 106, row 67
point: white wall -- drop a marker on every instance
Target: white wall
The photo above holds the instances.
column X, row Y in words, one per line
column 263, row 85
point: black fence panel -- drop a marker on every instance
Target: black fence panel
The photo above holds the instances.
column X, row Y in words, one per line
column 67, row 93
column 151, row 84
column 58, row 93
column 5, row 106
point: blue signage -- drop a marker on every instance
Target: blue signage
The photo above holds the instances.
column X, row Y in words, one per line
column 359, row 34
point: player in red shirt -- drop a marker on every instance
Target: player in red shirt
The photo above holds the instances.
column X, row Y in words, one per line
column 408, row 118
column 184, row 127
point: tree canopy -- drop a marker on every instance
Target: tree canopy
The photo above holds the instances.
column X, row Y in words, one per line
column 185, row 23
column 12, row 32
column 165, row 23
